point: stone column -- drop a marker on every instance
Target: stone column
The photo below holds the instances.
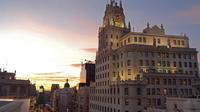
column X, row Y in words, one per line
column 26, row 91
column 18, row 91
column 8, row 90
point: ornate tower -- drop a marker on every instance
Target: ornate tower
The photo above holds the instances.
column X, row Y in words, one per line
column 114, row 26
column 114, row 15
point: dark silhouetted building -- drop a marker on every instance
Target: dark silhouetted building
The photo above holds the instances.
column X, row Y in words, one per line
column 87, row 74
column 10, row 87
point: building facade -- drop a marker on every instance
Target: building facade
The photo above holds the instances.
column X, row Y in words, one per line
column 137, row 70
column 63, row 99
column 179, row 105
column 10, row 87
column 82, row 99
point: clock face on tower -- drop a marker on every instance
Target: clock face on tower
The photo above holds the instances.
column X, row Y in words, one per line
column 119, row 20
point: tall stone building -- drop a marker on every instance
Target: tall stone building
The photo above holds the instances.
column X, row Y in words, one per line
column 137, row 70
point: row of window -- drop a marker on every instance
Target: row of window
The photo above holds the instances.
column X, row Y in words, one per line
column 105, row 109
column 154, row 102
column 158, row 55
column 158, row 81
column 102, row 60
column 143, row 40
column 102, row 83
column 169, row 91
column 102, row 75
column 122, row 73
column 179, row 42
column 168, row 55
column 105, row 99
column 102, row 68
column 167, row 63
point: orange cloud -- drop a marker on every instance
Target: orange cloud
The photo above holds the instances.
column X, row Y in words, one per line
column 91, row 50
column 76, row 65
column 66, row 34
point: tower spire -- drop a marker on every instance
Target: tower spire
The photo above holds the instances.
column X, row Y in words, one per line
column 120, row 4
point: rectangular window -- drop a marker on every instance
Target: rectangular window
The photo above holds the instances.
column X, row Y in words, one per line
column 124, row 42
column 141, row 62
column 129, row 71
column 158, row 102
column 135, row 39
column 126, row 91
column 174, row 91
column 146, row 54
column 165, row 81
column 140, row 39
column 180, row 64
column 139, row 91
column 174, row 55
column 174, row 81
column 190, row 64
column 164, row 63
column 158, row 91
column 152, row 54
column 128, row 62
column 169, row 81
column 185, row 64
column 182, row 42
column 174, row 42
column 165, row 91
column 144, row 39
column 179, row 43
column 114, row 74
column 147, row 62
column 159, row 63
column 168, row 64
column 126, row 102
column 195, row 65
column 152, row 63
column 158, row 41
column 184, row 56
column 148, row 91
column 157, row 81
column 179, row 55
column 174, row 64
column 138, row 101
column 153, row 91
column 129, row 40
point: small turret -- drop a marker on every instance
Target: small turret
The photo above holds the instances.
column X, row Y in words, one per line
column 116, row 4
column 129, row 25
column 161, row 26
column 67, row 84
column 148, row 25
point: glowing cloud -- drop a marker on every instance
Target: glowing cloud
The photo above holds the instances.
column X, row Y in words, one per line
column 90, row 50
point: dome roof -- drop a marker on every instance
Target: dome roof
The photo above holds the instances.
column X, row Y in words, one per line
column 67, row 84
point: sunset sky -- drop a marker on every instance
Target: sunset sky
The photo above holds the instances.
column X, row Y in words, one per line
column 46, row 40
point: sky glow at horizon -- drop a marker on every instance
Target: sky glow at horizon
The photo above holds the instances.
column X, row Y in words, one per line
column 48, row 36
